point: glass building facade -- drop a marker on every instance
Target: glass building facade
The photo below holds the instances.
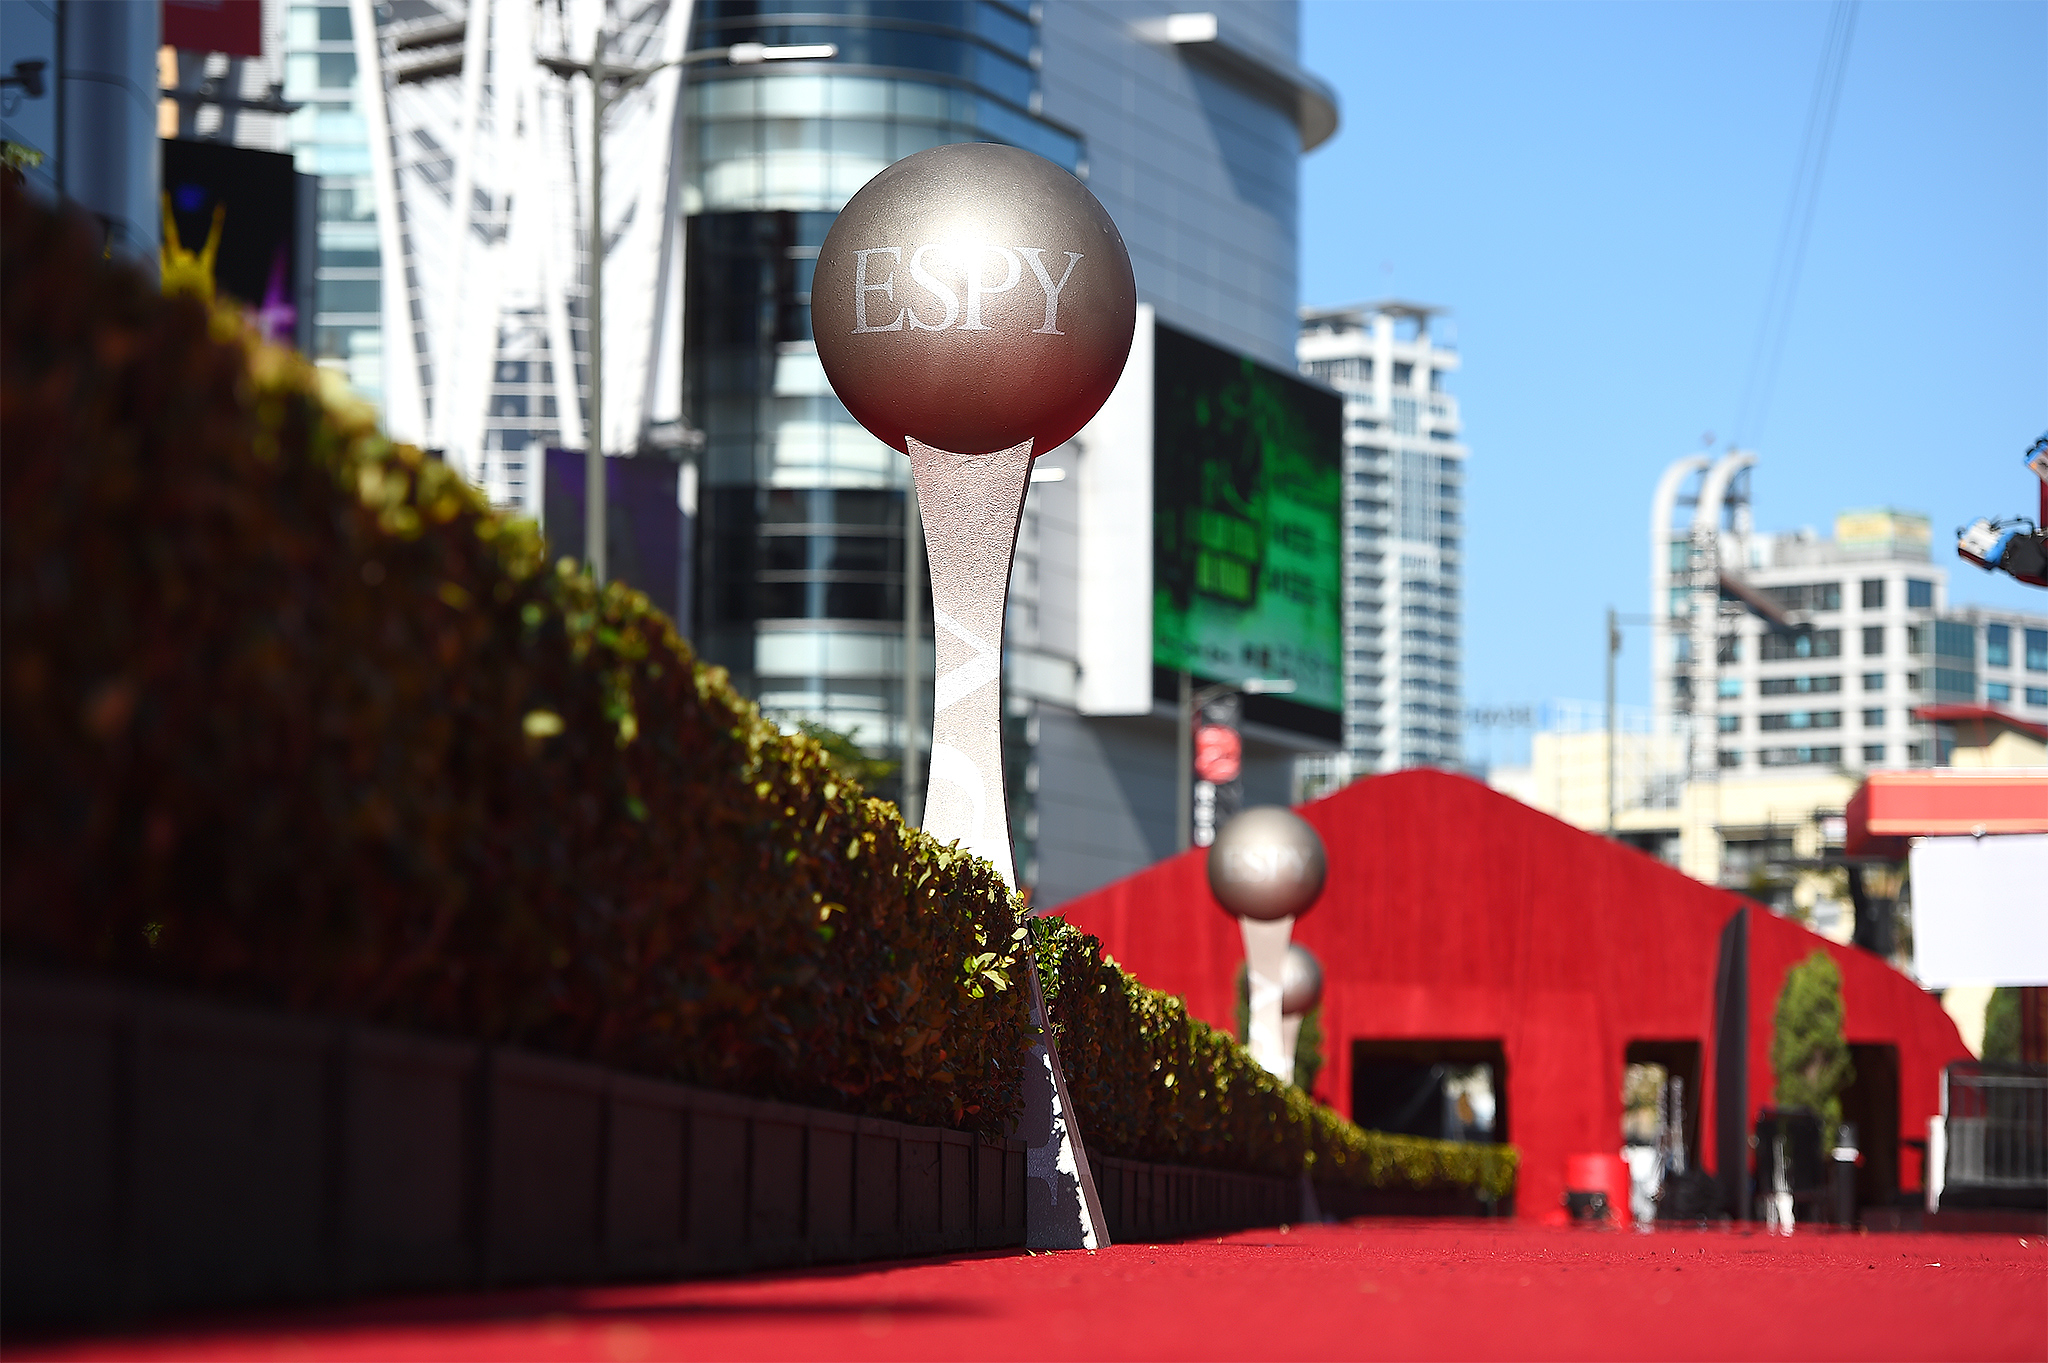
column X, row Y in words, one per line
column 802, row 513
column 329, row 137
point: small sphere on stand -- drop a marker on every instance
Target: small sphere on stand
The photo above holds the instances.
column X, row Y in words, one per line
column 1267, row 863
column 973, row 297
column 1301, row 981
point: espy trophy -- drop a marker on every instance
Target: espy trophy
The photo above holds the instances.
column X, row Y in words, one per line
column 973, row 307
column 1267, row 867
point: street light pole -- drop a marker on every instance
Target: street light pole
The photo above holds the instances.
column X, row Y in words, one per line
column 594, row 517
column 1614, row 623
column 598, row 71
column 1184, row 762
column 1613, row 650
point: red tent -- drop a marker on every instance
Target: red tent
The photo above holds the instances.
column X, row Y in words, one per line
column 1462, row 923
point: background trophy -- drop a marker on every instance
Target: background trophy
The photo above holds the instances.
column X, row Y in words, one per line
column 1267, row 867
column 973, row 308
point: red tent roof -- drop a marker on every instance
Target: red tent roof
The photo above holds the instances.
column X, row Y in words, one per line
column 1455, row 912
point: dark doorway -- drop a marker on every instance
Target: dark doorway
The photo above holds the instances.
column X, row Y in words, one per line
column 1871, row 1105
column 1448, row 1089
column 1680, row 1091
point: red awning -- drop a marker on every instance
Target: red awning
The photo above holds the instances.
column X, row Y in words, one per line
column 1979, row 714
column 1892, row 806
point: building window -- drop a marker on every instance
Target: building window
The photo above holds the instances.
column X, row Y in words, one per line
column 1998, row 645
column 1801, row 719
column 1916, row 640
column 1729, row 649
column 1915, row 681
column 1798, row 757
column 1997, row 691
column 1730, row 723
column 2037, row 695
column 1811, row 596
column 1731, row 757
column 1728, row 688
column 1916, row 752
column 1956, row 682
column 337, row 70
column 1798, row 686
column 1955, row 639
column 1873, row 752
column 1873, row 681
column 1873, row 640
column 2037, row 650
column 1873, row 719
column 1813, row 643
column 1873, row 593
column 1404, row 374
column 1919, row 594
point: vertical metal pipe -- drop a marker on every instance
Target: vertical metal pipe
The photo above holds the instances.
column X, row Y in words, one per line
column 1184, row 764
column 1613, row 648
column 913, row 632
column 593, row 458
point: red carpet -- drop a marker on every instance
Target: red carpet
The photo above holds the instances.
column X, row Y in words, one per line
column 1454, row 1290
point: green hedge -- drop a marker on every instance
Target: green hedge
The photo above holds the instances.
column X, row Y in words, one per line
column 1151, row 1082
column 287, row 714
column 290, row 715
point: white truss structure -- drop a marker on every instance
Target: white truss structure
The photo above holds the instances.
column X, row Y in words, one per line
column 480, row 158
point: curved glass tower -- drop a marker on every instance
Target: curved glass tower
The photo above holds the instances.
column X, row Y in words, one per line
column 801, row 530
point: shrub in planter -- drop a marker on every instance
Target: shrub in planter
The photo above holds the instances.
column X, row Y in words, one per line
column 288, row 714
column 1151, row 1082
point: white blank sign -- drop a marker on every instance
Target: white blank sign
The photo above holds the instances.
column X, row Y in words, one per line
column 1980, row 910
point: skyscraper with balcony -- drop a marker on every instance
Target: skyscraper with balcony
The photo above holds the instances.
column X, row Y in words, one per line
column 1782, row 652
column 803, row 513
column 1404, row 476
column 1188, row 127
column 1189, row 132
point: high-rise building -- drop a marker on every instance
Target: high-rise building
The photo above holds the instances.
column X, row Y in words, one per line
column 1782, row 651
column 328, row 136
column 78, row 110
column 723, row 171
column 1190, row 133
column 1404, row 494
column 803, row 512
column 478, row 121
column 1783, row 668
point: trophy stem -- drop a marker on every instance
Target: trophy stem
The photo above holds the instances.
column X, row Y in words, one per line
column 972, row 504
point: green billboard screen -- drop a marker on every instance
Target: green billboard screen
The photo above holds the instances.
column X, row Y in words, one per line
column 1246, row 477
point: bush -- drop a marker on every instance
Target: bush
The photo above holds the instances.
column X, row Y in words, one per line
column 288, row 714
column 1809, row 1056
column 1150, row 1082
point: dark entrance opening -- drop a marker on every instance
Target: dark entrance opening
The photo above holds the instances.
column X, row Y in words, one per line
column 1679, row 1092
column 1871, row 1105
column 1446, row 1089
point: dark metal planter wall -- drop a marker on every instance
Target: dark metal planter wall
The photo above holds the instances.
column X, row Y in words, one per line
column 161, row 1153
column 1161, row 1201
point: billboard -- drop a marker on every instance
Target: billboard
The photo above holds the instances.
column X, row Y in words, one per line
column 265, row 226
column 1246, row 522
column 648, row 525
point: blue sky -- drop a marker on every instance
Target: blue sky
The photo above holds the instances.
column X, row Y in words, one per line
column 1597, row 193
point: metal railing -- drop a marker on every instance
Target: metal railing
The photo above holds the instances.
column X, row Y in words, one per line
column 1996, row 1126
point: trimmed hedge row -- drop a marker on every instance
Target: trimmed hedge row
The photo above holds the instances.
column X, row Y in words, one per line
column 287, row 714
column 1151, row 1082
column 291, row 715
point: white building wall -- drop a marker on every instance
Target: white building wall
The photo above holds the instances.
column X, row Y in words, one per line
column 1201, row 177
column 1404, row 480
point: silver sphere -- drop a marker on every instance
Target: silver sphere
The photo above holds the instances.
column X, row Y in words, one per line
column 1301, row 981
column 973, row 297
column 1267, row 863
